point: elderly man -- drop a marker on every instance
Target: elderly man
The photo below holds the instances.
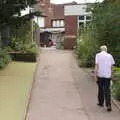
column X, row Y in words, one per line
column 103, row 73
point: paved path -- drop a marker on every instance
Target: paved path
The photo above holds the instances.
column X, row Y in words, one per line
column 62, row 91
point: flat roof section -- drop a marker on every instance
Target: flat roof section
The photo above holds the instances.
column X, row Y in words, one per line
column 75, row 10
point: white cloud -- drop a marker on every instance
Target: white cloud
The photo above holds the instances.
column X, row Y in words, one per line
column 79, row 1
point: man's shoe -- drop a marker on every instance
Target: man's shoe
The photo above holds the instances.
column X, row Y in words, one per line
column 109, row 109
column 100, row 105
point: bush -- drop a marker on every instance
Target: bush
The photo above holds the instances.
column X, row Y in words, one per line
column 4, row 58
column 32, row 50
column 8, row 49
column 104, row 29
column 116, row 84
column 21, row 40
column 86, row 48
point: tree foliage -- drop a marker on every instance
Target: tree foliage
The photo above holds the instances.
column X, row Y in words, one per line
column 106, row 20
column 105, row 29
column 9, row 8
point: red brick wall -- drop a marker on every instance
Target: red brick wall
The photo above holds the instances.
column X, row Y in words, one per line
column 70, row 31
column 52, row 11
column 47, row 10
column 71, row 25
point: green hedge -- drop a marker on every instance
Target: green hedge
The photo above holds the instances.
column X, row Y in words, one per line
column 4, row 58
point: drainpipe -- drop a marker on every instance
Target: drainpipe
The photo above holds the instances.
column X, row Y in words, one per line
column 32, row 30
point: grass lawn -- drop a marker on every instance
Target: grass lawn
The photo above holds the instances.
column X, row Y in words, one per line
column 15, row 85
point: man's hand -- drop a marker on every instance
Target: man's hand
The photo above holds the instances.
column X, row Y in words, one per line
column 96, row 73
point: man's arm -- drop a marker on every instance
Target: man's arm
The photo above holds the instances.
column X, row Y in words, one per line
column 96, row 72
column 96, row 67
column 112, row 65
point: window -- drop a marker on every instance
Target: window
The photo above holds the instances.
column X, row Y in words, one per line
column 84, row 20
column 54, row 23
column 40, row 21
column 81, row 24
column 62, row 23
column 81, row 17
column 88, row 17
column 58, row 23
column 88, row 22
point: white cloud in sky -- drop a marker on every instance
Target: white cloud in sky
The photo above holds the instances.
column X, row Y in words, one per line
column 79, row 1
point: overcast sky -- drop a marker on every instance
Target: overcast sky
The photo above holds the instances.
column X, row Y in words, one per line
column 79, row 1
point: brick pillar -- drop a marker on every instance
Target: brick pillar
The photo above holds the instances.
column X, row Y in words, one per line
column 70, row 32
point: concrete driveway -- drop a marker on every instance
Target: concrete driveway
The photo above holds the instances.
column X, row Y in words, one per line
column 62, row 91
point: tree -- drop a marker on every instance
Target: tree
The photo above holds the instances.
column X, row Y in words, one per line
column 11, row 19
column 9, row 8
column 111, row 1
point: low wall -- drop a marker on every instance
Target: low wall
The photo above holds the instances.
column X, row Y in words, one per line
column 25, row 57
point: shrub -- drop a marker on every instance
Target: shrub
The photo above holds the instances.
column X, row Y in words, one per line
column 21, row 40
column 32, row 50
column 86, row 48
column 116, row 84
column 4, row 58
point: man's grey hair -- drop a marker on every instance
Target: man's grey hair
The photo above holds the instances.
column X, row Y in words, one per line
column 103, row 48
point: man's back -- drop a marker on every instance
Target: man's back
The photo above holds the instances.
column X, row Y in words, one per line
column 104, row 62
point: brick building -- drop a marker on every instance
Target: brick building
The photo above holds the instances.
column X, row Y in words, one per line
column 60, row 22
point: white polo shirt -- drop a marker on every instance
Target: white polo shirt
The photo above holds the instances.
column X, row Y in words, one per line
column 104, row 62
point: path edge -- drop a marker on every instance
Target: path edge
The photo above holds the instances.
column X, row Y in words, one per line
column 32, row 85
